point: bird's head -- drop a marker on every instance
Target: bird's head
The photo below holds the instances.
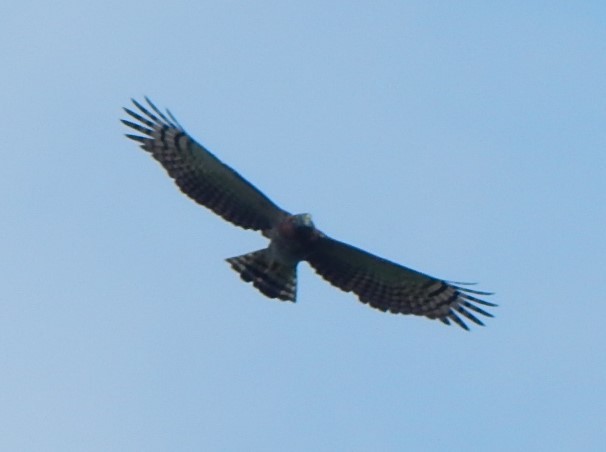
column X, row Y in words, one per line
column 298, row 228
column 303, row 221
column 303, row 227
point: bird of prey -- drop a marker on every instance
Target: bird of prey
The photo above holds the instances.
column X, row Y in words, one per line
column 382, row 284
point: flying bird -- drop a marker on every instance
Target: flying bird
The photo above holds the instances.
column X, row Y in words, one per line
column 380, row 283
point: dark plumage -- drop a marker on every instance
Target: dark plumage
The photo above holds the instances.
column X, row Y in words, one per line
column 382, row 284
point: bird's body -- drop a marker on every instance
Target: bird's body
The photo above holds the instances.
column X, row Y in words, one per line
column 382, row 284
column 273, row 270
column 292, row 238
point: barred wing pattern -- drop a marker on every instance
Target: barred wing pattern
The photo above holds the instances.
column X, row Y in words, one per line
column 387, row 286
column 198, row 173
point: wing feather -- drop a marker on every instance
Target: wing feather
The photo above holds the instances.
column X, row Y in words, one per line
column 387, row 286
column 198, row 173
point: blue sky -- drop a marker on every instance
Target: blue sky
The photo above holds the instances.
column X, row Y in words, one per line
column 463, row 139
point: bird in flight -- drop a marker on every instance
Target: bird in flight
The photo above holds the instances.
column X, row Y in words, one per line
column 380, row 283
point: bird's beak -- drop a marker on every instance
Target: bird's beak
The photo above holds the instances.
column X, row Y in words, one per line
column 307, row 220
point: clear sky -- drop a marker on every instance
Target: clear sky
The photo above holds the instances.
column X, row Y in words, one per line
column 463, row 139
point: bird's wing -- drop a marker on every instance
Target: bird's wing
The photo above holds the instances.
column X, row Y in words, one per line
column 391, row 287
column 198, row 173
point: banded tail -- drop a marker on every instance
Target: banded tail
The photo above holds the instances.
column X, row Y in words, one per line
column 272, row 278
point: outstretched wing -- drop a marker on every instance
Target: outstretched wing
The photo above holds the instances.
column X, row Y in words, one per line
column 198, row 173
column 391, row 287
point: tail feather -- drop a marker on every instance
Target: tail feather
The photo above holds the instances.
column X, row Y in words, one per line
column 272, row 278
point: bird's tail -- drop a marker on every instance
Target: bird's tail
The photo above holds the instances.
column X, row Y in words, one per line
column 272, row 278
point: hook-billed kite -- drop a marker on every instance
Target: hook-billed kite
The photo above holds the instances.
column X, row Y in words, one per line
column 382, row 284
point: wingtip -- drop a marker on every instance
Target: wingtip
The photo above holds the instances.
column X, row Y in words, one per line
column 149, row 102
column 139, row 106
column 138, row 138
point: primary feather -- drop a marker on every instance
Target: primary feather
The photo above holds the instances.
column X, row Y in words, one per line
column 198, row 173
